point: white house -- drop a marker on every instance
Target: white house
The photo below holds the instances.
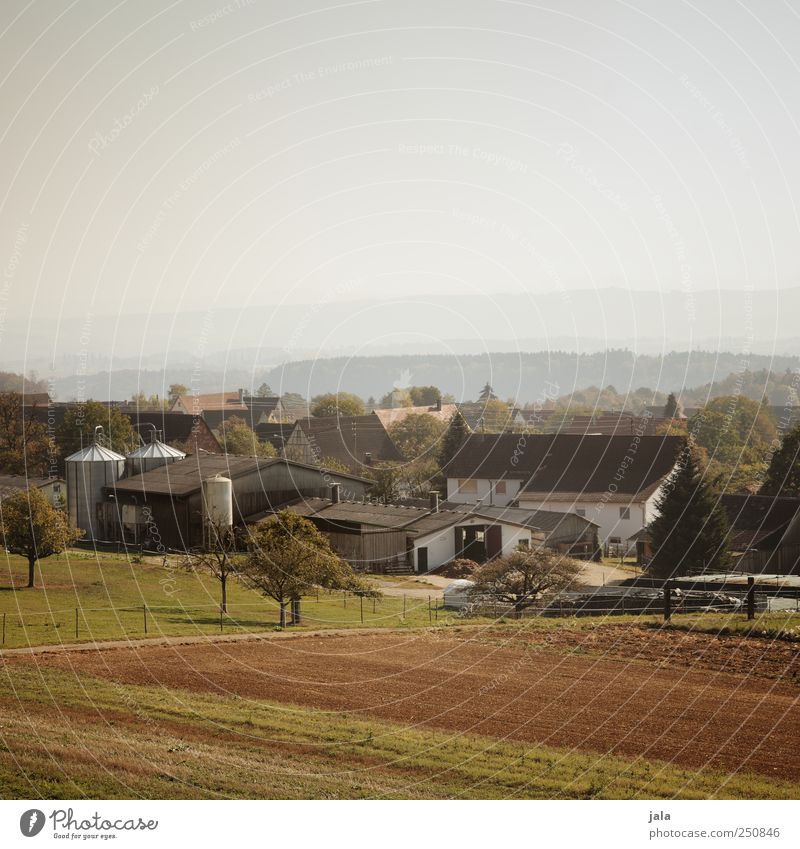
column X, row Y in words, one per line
column 614, row 481
column 54, row 488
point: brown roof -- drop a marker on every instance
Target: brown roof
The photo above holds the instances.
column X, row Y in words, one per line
column 397, row 414
column 9, row 484
column 349, row 439
column 758, row 520
column 174, row 427
column 185, row 476
column 196, row 404
column 568, row 467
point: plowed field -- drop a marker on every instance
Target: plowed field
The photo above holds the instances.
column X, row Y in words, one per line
column 693, row 700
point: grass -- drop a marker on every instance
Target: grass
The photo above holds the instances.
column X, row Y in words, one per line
column 68, row 736
column 111, row 592
column 779, row 625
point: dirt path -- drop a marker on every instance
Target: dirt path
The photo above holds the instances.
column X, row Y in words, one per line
column 632, row 698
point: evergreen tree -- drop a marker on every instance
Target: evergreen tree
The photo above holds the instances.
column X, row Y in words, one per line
column 487, row 394
column 671, row 408
column 783, row 475
column 454, row 437
column 691, row 530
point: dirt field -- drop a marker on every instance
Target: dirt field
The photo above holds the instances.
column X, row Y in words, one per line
column 693, row 700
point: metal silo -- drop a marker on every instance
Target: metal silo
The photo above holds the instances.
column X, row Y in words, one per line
column 151, row 455
column 218, row 502
column 87, row 472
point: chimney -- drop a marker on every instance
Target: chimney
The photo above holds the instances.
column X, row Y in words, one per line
column 434, row 497
column 335, row 493
column 368, row 458
column 439, row 404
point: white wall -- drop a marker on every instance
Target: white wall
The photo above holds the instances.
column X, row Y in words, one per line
column 607, row 515
column 487, row 492
column 441, row 545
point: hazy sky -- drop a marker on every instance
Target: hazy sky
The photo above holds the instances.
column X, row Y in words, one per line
column 170, row 156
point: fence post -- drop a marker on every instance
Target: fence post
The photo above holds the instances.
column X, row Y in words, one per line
column 667, row 602
column 751, row 597
column 144, row 614
column 4, row 629
column 344, row 598
column 430, row 614
column 373, row 604
column 361, row 599
column 404, row 607
column 76, row 623
column 220, row 619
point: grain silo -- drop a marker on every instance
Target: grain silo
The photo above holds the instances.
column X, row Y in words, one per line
column 217, row 505
column 87, row 472
column 151, row 455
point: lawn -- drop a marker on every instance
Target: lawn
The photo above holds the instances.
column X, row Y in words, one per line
column 65, row 735
column 109, row 597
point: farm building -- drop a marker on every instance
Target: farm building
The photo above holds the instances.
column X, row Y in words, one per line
column 54, row 488
column 173, row 496
column 614, row 481
column 353, row 442
column 188, row 432
column 391, row 537
column 766, row 531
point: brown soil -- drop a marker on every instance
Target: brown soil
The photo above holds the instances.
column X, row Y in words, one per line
column 694, row 700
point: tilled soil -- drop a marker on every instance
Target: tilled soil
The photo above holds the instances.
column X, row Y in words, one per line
column 694, row 700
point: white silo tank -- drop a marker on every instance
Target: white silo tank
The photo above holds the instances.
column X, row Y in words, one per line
column 87, row 472
column 151, row 455
column 218, row 502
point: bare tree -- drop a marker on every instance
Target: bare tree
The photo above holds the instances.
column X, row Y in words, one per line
column 217, row 558
column 519, row 579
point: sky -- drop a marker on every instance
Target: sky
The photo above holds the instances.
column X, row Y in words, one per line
column 167, row 158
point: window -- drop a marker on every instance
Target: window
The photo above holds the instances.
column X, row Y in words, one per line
column 624, row 512
column 580, row 511
column 500, row 487
column 468, row 485
column 524, row 544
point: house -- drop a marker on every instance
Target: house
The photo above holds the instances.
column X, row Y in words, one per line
column 352, row 442
column 765, row 530
column 54, row 488
column 477, row 416
column 614, row 481
column 216, row 407
column 391, row 537
column 164, row 507
column 190, row 433
column 197, row 404
column 440, row 412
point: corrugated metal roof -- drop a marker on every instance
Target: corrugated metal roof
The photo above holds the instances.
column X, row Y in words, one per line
column 156, row 450
column 94, row 453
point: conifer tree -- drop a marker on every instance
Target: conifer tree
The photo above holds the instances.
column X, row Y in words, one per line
column 691, row 531
column 783, row 474
column 454, row 437
column 671, row 408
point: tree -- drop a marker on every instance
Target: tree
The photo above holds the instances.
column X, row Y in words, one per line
column 218, row 558
column 487, row 394
column 176, row 390
column 496, row 416
column 672, row 409
column 519, row 579
column 264, row 391
column 388, row 479
column 452, row 440
column 78, row 427
column 25, row 447
column 288, row 556
column 417, row 435
column 143, row 402
column 337, row 404
column 238, row 438
column 690, row 532
column 33, row 528
column 783, row 474
column 424, row 396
